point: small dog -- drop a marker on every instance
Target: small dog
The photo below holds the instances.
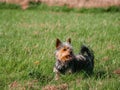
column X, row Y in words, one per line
column 66, row 61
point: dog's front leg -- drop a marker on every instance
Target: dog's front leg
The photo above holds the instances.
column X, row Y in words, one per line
column 57, row 74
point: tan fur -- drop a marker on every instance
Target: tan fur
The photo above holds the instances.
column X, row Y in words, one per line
column 64, row 54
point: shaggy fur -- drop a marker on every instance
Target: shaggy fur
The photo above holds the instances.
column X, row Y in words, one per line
column 66, row 61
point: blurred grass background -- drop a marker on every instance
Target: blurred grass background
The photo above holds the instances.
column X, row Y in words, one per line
column 27, row 45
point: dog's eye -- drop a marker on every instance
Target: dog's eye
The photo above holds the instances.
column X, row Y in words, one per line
column 68, row 48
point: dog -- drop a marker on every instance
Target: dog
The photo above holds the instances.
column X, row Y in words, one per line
column 67, row 61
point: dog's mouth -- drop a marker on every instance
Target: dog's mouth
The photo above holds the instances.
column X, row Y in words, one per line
column 69, row 57
column 66, row 58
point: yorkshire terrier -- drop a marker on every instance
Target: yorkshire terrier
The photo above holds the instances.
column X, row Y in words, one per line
column 66, row 61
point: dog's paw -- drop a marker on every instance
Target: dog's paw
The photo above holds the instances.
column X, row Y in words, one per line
column 80, row 57
column 56, row 78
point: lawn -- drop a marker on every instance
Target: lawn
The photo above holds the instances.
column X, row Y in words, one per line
column 27, row 45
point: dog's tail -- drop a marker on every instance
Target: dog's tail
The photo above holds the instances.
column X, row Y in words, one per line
column 85, row 51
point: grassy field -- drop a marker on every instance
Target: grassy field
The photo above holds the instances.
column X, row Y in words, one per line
column 27, row 45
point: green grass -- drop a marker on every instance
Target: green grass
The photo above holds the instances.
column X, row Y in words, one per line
column 27, row 45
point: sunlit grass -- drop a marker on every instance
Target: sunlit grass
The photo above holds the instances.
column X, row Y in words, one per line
column 27, row 45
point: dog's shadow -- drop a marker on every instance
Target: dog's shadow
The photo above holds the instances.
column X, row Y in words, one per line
column 101, row 74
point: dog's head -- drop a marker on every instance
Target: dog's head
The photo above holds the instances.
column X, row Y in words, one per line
column 64, row 51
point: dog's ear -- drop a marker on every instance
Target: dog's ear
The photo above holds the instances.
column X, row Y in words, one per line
column 58, row 42
column 69, row 40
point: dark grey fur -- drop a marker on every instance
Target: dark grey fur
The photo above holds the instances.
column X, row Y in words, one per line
column 83, row 61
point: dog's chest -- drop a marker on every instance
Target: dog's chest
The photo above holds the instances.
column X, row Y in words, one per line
column 63, row 67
